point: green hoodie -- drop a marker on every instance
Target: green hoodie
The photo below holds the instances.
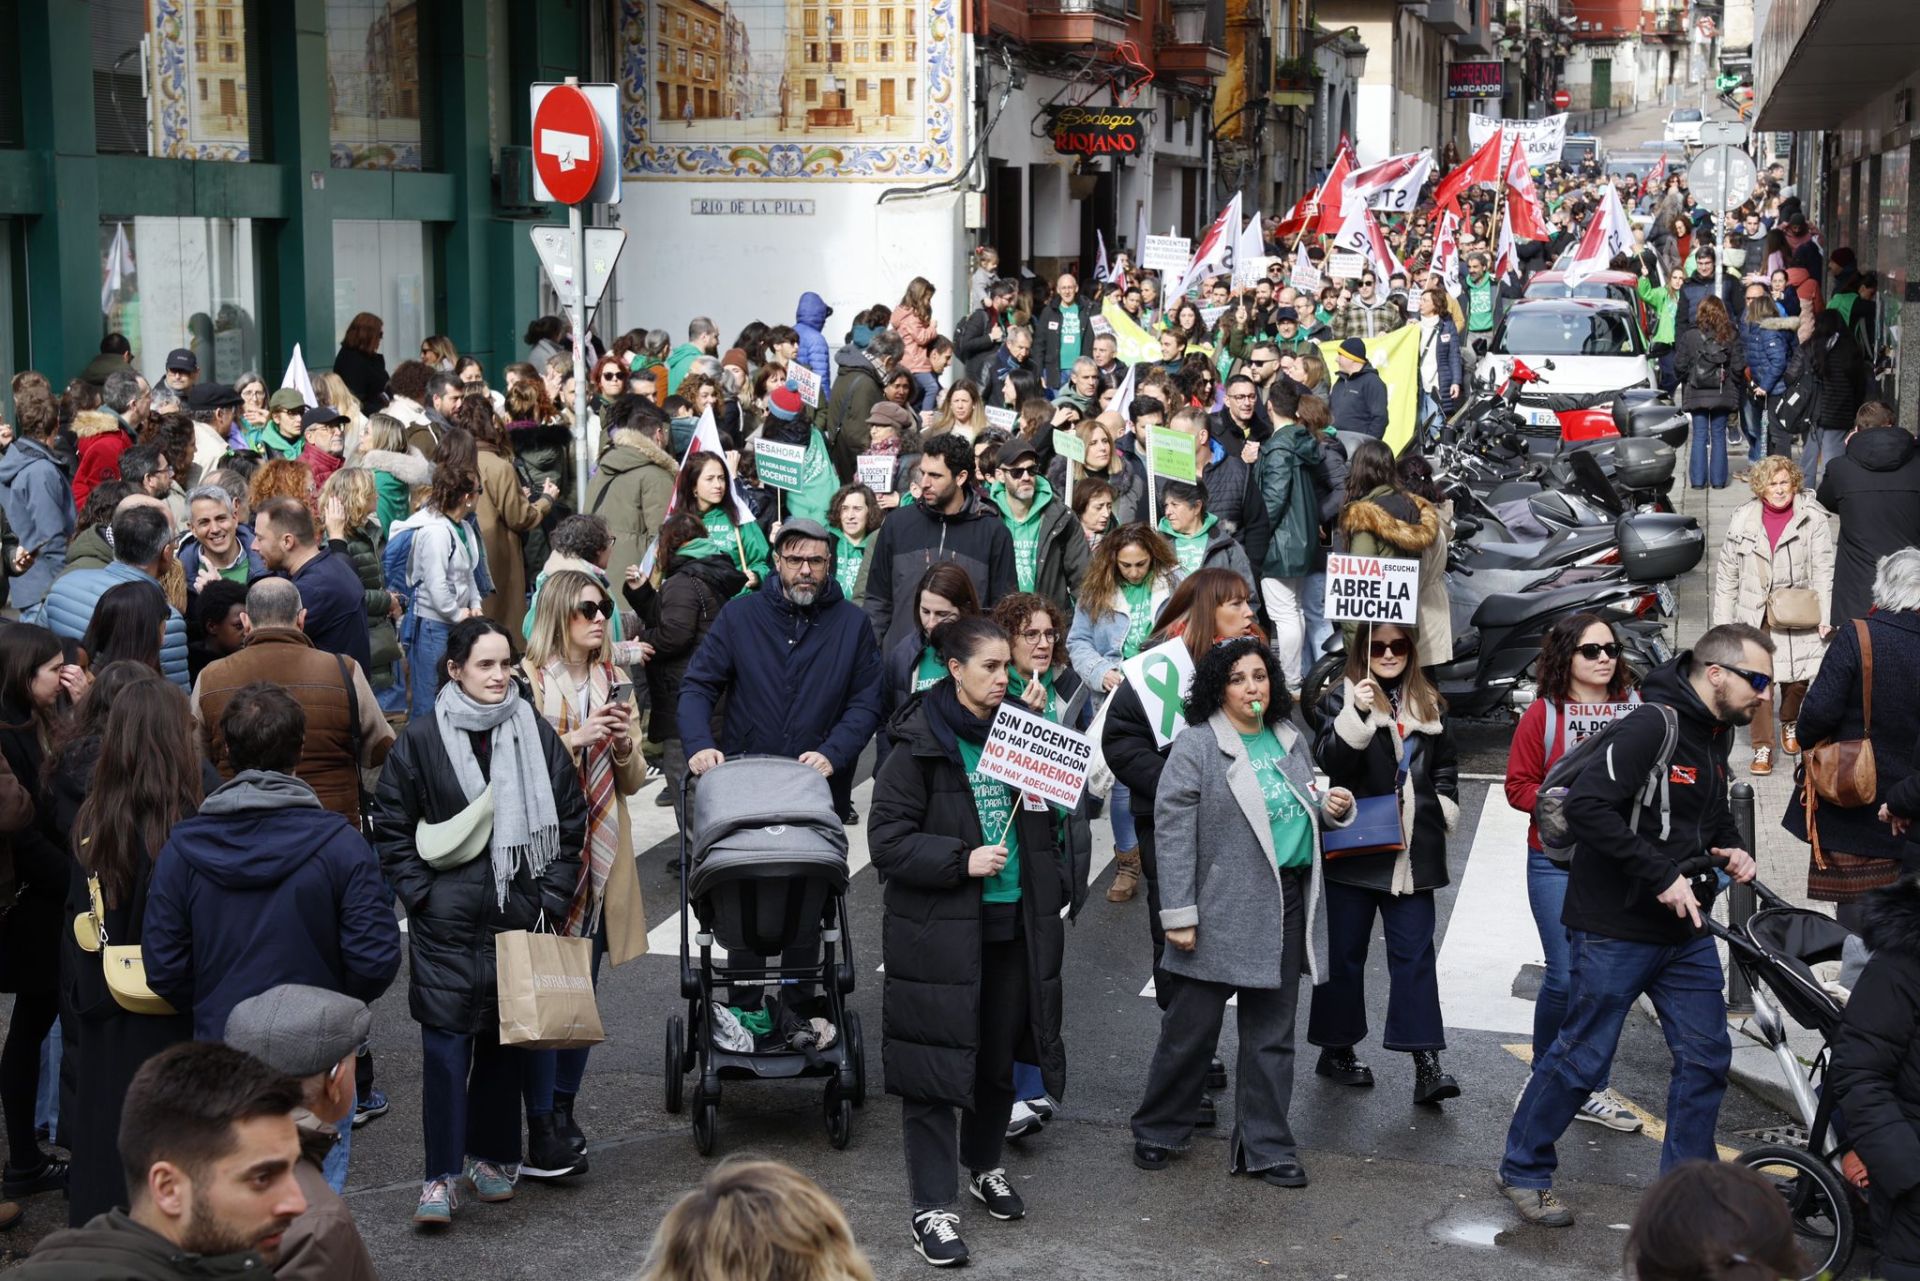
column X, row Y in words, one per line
column 1665, row 309
column 1025, row 529
column 267, row 439
column 850, row 562
column 679, row 361
column 733, row 540
column 1190, row 549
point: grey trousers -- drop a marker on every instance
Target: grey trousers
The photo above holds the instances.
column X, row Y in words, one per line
column 1263, row 1079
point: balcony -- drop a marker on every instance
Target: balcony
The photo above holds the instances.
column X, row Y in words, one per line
column 1448, row 17
column 1668, row 22
column 1195, row 46
column 1099, row 23
column 1477, row 40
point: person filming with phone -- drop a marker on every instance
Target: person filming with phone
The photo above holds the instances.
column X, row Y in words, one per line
column 1648, row 801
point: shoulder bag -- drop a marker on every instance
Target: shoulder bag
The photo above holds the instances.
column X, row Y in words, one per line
column 125, row 969
column 1375, row 828
column 1792, row 609
column 1842, row 771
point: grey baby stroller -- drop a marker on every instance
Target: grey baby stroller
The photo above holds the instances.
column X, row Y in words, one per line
column 763, row 867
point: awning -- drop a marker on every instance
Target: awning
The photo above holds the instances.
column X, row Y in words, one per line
column 1819, row 61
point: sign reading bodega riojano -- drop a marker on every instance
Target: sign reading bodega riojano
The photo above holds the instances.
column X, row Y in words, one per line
column 1098, row 131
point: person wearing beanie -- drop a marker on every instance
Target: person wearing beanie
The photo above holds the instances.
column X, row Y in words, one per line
column 788, row 424
column 1359, row 397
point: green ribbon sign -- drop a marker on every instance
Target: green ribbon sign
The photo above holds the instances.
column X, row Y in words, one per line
column 1163, row 679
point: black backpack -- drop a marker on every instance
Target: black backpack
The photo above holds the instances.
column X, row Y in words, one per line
column 1557, row 840
column 1709, row 369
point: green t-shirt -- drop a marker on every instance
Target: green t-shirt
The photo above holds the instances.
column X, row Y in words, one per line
column 1286, row 817
column 1017, row 683
column 993, row 801
column 744, row 544
column 1024, row 530
column 1070, row 337
column 1480, row 305
column 1139, row 598
column 930, row 672
column 238, row 571
column 848, row 557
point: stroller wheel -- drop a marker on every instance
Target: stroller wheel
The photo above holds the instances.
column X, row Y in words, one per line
column 857, row 1056
column 676, row 1069
column 706, row 1123
column 1816, row 1198
column 839, row 1117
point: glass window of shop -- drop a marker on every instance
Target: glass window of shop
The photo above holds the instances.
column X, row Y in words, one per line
column 1845, row 231
column 373, row 80
column 175, row 78
column 384, row 268
column 182, row 282
column 1890, row 251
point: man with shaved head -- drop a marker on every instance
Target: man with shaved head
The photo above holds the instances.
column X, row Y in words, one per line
column 1063, row 331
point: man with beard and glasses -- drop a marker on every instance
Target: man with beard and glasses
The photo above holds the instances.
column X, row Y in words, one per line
column 209, row 1145
column 1634, row 916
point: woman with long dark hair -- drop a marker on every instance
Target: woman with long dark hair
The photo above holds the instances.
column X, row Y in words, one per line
column 1710, row 361
column 1242, row 917
column 1583, row 686
column 1384, row 733
column 972, row 940
column 129, row 622
column 703, row 490
column 479, row 742
column 37, row 684
column 945, row 592
column 132, row 770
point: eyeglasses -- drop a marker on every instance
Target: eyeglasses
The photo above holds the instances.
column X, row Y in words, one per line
column 1020, row 473
column 810, row 563
column 1592, row 652
column 1040, row 638
column 1399, row 648
column 592, row 609
column 1759, row 680
column 612, row 376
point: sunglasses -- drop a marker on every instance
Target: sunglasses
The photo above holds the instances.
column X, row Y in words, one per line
column 1020, row 473
column 1399, row 648
column 592, row 609
column 1592, row 652
column 1759, row 680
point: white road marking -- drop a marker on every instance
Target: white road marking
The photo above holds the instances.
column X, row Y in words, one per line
column 1490, row 933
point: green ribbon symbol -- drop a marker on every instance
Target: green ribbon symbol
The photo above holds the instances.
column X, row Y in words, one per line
column 1163, row 679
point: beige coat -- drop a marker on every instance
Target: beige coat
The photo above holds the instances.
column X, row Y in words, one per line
column 505, row 515
column 1748, row 570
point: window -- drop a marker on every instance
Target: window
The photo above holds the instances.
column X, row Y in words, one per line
column 813, row 52
column 666, row 58
column 886, row 22
column 910, row 81
column 860, row 51
column 383, row 267
column 836, row 52
column 860, row 90
column 680, row 60
column 886, row 50
column 699, row 64
column 199, row 51
column 373, row 78
column 194, row 288
column 680, row 25
column 813, row 90
column 913, row 51
column 810, row 23
column 859, row 22
column 836, row 21
column 227, row 53
column 203, row 88
column 226, row 23
column 147, row 94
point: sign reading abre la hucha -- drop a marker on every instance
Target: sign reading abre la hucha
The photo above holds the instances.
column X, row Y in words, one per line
column 1098, row 131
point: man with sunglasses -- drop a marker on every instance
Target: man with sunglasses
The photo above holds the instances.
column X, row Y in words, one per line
column 1635, row 916
column 1050, row 553
column 1368, row 312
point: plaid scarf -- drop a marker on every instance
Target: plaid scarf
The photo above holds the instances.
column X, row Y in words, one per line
column 596, row 780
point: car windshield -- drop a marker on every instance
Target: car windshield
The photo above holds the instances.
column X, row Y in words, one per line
column 1555, row 331
column 1538, row 288
column 1685, row 114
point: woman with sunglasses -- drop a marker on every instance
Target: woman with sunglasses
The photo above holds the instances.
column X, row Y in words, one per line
column 1583, row 686
column 1384, row 733
column 588, row 701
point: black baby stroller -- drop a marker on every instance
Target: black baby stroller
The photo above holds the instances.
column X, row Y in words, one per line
column 763, row 864
column 1776, row 950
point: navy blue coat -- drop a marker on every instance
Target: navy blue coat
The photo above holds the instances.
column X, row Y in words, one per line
column 1767, row 349
column 1832, row 710
column 801, row 678
column 1448, row 369
column 336, row 603
column 1359, row 402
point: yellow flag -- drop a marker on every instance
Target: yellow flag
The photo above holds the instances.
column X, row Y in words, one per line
column 1397, row 357
column 1131, row 343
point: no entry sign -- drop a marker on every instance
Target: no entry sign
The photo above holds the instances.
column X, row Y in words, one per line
column 575, row 153
column 1369, row 589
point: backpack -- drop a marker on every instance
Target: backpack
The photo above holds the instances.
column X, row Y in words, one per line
column 396, row 563
column 1709, row 369
column 1557, row 841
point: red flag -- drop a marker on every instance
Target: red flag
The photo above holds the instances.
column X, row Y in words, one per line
column 1297, row 219
column 1483, row 166
column 1327, row 199
column 1655, row 176
column 1523, row 199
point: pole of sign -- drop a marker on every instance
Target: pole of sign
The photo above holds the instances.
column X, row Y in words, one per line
column 1720, row 225
column 577, row 225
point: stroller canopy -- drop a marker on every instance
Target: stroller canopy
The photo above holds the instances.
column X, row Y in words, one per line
column 764, row 816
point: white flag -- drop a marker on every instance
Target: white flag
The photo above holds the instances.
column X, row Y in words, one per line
column 1506, row 258
column 298, row 378
column 1139, row 231
column 1100, row 271
column 1361, row 234
column 119, row 267
column 1394, row 184
column 1446, row 253
column 1253, row 248
column 1609, row 233
column 1215, row 254
column 706, row 439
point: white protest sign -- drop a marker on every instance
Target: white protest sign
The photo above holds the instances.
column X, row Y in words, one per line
column 1584, row 720
column 1101, row 329
column 804, row 381
column 1544, row 139
column 1037, row 757
column 1346, row 265
column 1210, row 316
column 875, row 471
column 1368, row 589
column 1161, row 676
column 1166, row 253
column 1004, row 419
column 1305, row 279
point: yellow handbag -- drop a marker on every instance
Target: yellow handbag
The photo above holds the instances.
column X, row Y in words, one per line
column 124, row 968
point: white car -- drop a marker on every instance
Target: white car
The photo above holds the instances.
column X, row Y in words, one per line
column 1683, row 126
column 1595, row 345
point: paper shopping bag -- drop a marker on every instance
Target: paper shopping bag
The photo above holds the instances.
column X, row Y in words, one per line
column 545, row 985
column 623, row 911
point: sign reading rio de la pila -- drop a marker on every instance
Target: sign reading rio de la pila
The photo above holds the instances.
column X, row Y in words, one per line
column 1098, row 131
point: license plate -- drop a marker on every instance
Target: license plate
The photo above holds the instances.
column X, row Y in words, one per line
column 1664, row 594
column 1540, row 417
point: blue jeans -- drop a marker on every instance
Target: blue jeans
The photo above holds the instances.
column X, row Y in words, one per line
column 1547, row 895
column 1119, row 804
column 1709, row 437
column 1822, row 447
column 929, row 389
column 1753, row 424
column 426, row 654
column 469, row 1099
column 1608, row 975
column 334, row 1168
column 1026, row 1081
column 46, row 1104
column 1313, row 603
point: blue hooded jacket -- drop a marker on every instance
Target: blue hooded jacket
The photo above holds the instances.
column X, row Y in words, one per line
column 264, row 887
column 809, row 321
column 36, row 493
column 68, row 609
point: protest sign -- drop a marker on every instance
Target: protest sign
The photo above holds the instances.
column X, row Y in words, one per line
column 804, row 381
column 1211, row 315
column 1346, row 265
column 1166, row 253
column 875, row 471
column 1170, row 453
column 1068, row 445
column 1101, row 329
column 780, row 466
column 1369, row 589
column 1004, row 419
column 1584, row 720
column 1161, row 676
column 1544, row 139
column 1305, row 279
column 1037, row 757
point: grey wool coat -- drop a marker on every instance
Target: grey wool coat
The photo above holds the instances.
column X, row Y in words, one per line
column 1232, row 890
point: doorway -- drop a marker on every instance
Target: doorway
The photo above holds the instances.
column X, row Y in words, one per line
column 1602, row 83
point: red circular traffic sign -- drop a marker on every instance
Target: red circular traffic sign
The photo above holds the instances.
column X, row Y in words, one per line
column 566, row 144
column 1562, row 99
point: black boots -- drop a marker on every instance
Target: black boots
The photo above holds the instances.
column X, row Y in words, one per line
column 1430, row 1084
column 1344, row 1066
column 564, row 1122
column 549, row 1156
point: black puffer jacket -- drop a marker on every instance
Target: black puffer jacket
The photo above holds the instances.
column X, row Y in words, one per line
column 922, row 828
column 1839, row 378
column 916, row 537
column 1127, row 743
column 1360, row 754
column 1875, row 1074
column 686, row 604
column 1874, row 488
column 1714, row 361
column 451, row 915
column 30, row 934
column 1834, row 709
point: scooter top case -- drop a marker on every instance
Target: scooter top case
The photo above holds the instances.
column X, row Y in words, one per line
column 1656, row 546
column 1643, row 416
